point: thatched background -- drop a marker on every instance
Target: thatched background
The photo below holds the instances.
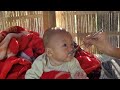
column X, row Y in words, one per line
column 78, row 23
column 31, row 20
column 81, row 23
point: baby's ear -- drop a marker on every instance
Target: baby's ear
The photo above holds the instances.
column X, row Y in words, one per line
column 49, row 51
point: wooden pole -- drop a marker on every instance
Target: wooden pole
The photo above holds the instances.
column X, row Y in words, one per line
column 49, row 19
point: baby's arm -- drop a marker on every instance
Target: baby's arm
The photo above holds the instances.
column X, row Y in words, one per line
column 76, row 71
column 35, row 71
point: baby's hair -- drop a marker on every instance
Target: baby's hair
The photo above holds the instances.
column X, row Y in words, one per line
column 50, row 32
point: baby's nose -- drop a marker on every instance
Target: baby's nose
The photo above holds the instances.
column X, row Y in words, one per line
column 70, row 48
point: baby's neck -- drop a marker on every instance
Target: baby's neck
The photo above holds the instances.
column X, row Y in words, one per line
column 55, row 62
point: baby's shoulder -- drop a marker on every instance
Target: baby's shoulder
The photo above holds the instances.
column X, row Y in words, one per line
column 40, row 58
column 73, row 60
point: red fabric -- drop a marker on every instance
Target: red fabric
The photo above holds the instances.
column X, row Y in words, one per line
column 4, row 33
column 87, row 61
column 29, row 52
column 15, row 29
column 55, row 75
column 32, row 45
column 24, row 41
column 35, row 33
column 2, row 62
column 19, row 28
column 36, row 44
column 14, row 68
column 13, row 46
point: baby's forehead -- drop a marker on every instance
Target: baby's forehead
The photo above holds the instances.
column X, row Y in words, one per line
column 62, row 35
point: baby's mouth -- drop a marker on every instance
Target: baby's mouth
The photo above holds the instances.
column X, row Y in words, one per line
column 73, row 51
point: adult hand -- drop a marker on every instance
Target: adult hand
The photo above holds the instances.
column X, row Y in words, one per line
column 100, row 41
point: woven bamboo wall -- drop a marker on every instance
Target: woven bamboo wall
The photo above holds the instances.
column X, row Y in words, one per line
column 82, row 23
column 78, row 23
column 31, row 20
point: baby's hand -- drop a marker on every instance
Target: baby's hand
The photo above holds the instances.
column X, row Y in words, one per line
column 80, row 75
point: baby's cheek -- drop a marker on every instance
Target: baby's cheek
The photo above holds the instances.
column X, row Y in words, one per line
column 60, row 54
column 65, row 53
column 65, row 56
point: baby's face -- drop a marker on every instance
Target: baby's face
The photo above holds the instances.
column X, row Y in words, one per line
column 61, row 46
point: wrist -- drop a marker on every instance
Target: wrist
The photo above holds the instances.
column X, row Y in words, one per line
column 111, row 51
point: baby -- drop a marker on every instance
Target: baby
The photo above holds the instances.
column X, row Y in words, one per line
column 58, row 45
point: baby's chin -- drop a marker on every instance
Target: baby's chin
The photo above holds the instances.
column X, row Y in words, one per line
column 70, row 58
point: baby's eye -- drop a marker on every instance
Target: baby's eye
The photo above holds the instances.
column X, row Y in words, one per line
column 64, row 45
